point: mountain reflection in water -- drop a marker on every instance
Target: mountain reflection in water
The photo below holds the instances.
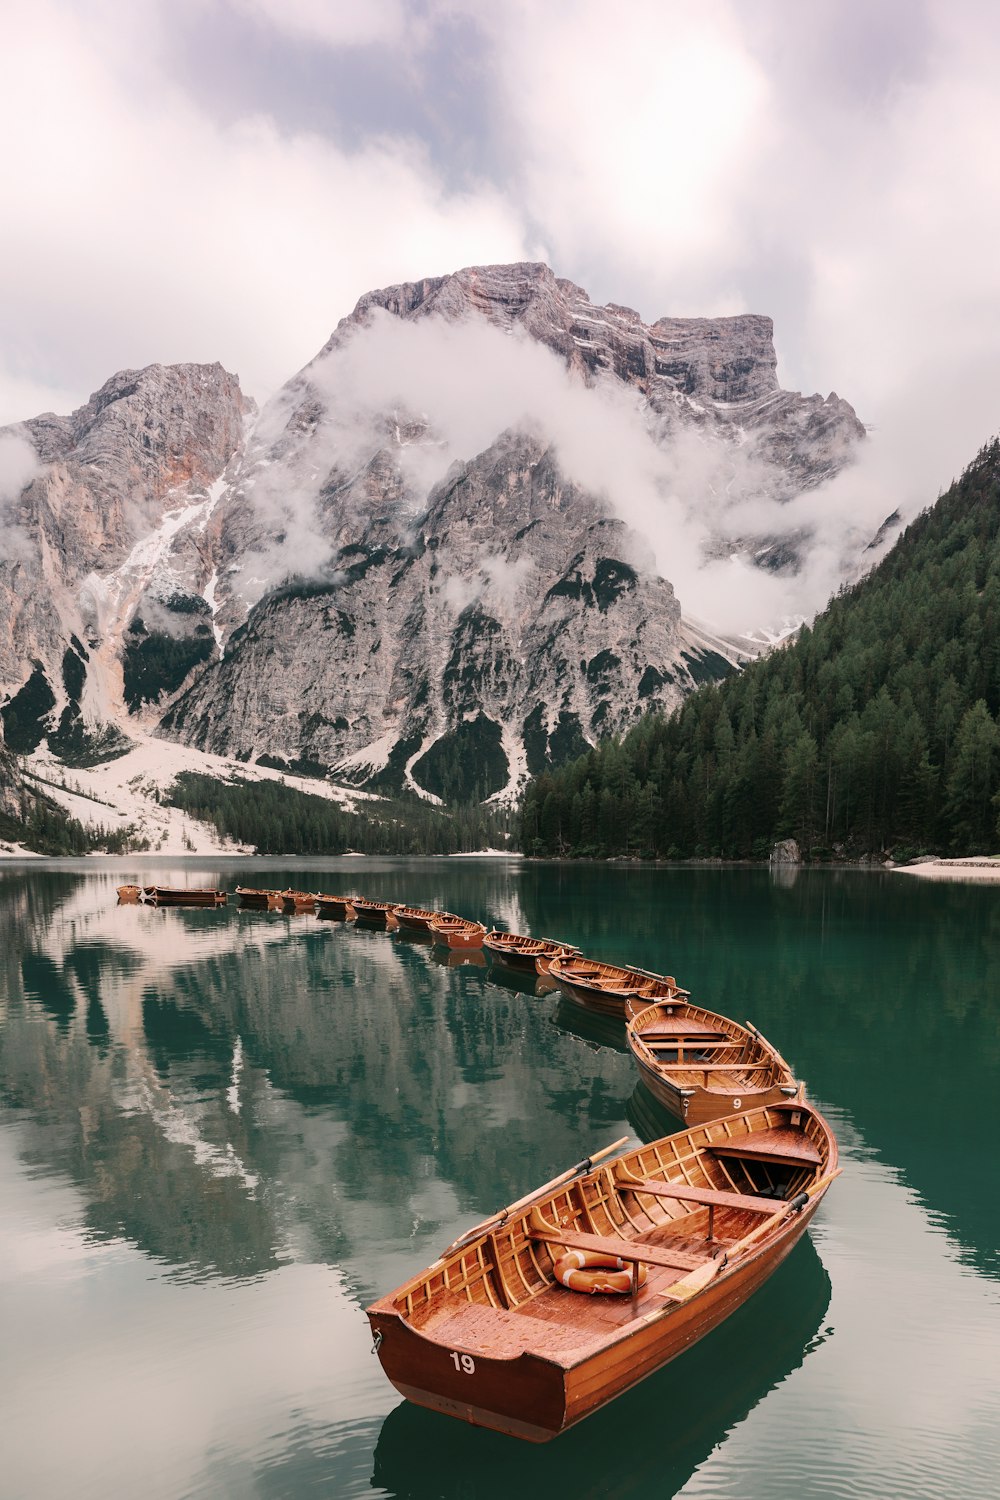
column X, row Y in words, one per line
column 223, row 1132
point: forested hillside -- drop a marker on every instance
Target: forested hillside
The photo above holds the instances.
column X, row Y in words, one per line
column 876, row 730
column 276, row 819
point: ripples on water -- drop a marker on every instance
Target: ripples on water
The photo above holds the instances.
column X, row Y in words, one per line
column 223, row 1132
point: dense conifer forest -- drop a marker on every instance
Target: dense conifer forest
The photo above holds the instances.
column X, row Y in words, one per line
column 276, row 819
column 876, row 730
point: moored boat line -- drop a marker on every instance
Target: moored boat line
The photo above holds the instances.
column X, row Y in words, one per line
column 680, row 1231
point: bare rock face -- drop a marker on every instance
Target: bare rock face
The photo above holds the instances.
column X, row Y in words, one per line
column 10, row 785
column 366, row 600
column 107, row 515
column 461, row 656
column 461, row 638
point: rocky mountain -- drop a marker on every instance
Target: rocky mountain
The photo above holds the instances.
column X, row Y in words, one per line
column 106, row 552
column 424, row 565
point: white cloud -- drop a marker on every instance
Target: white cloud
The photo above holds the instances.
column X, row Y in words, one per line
column 631, row 138
column 469, row 382
column 687, row 160
column 336, row 24
column 144, row 231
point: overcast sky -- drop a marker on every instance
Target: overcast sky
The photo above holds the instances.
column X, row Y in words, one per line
column 222, row 179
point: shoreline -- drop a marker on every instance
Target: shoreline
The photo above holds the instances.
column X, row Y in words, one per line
column 977, row 867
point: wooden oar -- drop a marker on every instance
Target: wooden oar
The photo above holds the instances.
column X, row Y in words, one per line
column 503, row 1214
column 762, row 1038
column 696, row 1280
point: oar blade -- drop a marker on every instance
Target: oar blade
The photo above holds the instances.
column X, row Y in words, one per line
column 695, row 1281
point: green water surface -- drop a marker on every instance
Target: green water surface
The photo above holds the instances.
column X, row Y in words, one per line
column 222, row 1133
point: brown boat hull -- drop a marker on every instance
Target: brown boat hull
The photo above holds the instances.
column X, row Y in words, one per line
column 458, row 939
column 600, row 1001
column 525, row 963
column 698, row 1106
column 338, row 908
column 165, row 896
column 258, row 900
column 415, row 921
column 298, row 901
column 374, row 916
column 536, row 1399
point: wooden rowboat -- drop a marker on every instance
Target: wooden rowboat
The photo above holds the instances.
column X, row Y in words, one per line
column 488, row 1334
column 374, row 913
column 129, row 895
column 339, row 907
column 417, row 918
column 260, row 900
column 297, row 901
column 700, row 1065
column 457, row 932
column 608, row 987
column 533, row 954
column 170, row 895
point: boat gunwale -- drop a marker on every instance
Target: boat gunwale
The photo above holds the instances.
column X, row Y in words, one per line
column 745, row 1037
column 700, row 1139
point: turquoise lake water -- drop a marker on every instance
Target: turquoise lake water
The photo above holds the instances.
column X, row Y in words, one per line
column 222, row 1133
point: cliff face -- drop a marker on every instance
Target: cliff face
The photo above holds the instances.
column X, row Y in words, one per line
column 113, row 526
column 394, row 606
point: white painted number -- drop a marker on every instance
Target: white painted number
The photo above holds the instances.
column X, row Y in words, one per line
column 737, row 1103
column 464, row 1362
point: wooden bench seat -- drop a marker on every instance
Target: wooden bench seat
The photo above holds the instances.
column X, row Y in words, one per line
column 693, row 1065
column 781, row 1145
column 706, row 1197
column 628, row 1250
column 669, row 1026
column 691, row 1044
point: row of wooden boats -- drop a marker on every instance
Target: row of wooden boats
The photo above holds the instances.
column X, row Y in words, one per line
column 544, row 1312
column 558, row 1303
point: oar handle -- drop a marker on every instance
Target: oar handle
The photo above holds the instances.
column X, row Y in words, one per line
column 502, row 1214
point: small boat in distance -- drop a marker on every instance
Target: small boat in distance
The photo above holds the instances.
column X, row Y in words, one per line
column 297, row 901
column 340, row 908
column 374, row 913
column 526, row 952
column 494, row 1331
column 129, row 895
column 457, row 932
column 609, row 987
column 417, row 918
column 260, row 900
column 172, row 895
column 700, row 1065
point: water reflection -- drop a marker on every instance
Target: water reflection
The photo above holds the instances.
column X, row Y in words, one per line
column 277, row 1118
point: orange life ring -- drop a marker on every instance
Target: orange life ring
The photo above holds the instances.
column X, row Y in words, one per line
column 588, row 1271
